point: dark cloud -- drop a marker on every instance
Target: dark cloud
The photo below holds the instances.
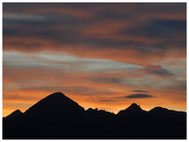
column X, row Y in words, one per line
column 32, row 28
column 161, row 8
column 61, row 25
column 41, row 28
column 138, row 96
column 107, row 80
column 130, row 7
column 112, row 14
column 159, row 28
column 158, row 70
column 141, row 91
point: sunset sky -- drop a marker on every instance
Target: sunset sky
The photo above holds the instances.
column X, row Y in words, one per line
column 103, row 56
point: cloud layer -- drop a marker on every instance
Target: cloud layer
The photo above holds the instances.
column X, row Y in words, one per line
column 95, row 53
column 138, row 96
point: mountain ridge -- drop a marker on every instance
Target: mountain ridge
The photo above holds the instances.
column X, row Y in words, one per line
column 57, row 116
column 56, row 94
column 132, row 107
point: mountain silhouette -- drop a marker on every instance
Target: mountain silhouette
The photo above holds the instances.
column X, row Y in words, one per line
column 133, row 109
column 55, row 106
column 58, row 117
column 15, row 114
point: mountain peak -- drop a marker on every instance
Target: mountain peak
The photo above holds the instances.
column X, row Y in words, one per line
column 15, row 114
column 54, row 105
column 57, row 94
column 56, row 97
column 134, row 106
column 17, row 111
column 132, row 109
column 159, row 110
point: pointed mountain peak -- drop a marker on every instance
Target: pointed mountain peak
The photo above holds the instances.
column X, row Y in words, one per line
column 57, row 94
column 56, row 97
column 17, row 111
column 54, row 104
column 132, row 109
column 134, row 106
column 15, row 114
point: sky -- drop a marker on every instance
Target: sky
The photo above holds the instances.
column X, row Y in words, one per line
column 104, row 56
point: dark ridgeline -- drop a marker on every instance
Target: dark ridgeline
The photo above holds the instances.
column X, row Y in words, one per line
column 58, row 117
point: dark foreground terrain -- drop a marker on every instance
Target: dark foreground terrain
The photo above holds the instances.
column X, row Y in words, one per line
column 58, row 117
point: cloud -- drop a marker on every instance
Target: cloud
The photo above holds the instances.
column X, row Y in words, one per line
column 108, row 80
column 160, row 28
column 138, row 96
column 19, row 97
column 52, row 27
column 141, row 91
column 158, row 71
